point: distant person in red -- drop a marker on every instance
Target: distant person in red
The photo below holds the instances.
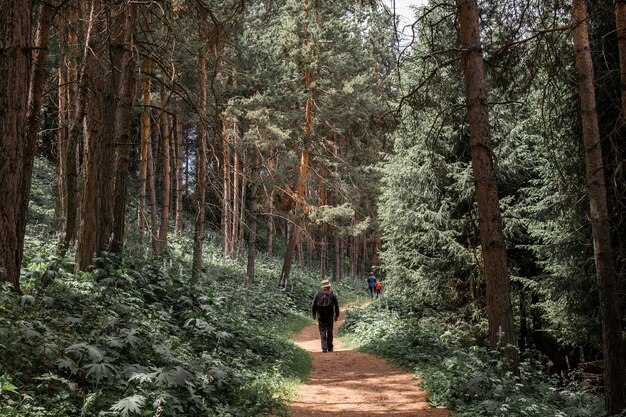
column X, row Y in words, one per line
column 325, row 309
column 379, row 287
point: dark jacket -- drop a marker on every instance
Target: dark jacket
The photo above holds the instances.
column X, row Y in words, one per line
column 325, row 306
column 371, row 281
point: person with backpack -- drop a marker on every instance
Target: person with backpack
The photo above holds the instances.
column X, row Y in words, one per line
column 379, row 287
column 371, row 284
column 325, row 309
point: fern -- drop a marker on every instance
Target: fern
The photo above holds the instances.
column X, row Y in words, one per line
column 129, row 405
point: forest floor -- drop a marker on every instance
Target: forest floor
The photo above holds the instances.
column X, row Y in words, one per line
column 348, row 383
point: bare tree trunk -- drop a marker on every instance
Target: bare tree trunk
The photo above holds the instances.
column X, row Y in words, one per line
column 145, row 145
column 178, row 222
column 97, row 191
column 620, row 20
column 235, row 196
column 614, row 370
column 499, row 309
column 251, row 199
column 122, row 45
column 304, row 162
column 35, row 97
column 271, row 223
column 165, row 209
column 201, row 160
column 154, row 237
column 226, row 203
column 77, row 93
column 242, row 203
column 15, row 64
column 62, row 134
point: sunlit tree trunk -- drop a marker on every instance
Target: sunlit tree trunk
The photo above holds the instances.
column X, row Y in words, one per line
column 122, row 45
column 614, row 371
column 145, row 145
column 499, row 309
column 15, row 64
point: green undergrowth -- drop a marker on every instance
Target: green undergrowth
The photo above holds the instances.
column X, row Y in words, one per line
column 457, row 370
column 135, row 337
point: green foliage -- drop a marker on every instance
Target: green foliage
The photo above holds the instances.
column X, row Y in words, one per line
column 133, row 337
column 460, row 374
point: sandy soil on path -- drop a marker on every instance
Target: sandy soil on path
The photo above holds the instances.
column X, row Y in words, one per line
column 348, row 383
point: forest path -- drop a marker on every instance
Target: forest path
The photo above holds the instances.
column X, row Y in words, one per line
column 348, row 383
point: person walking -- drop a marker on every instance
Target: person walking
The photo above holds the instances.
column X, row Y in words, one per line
column 379, row 287
column 325, row 309
column 371, row 284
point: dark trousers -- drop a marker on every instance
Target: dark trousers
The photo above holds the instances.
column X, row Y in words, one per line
column 326, row 334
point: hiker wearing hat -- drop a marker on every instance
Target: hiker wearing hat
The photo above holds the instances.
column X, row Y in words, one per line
column 325, row 309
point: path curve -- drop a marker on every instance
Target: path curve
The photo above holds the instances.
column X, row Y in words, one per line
column 348, row 383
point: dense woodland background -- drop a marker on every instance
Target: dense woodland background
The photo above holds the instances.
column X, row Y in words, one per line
column 177, row 176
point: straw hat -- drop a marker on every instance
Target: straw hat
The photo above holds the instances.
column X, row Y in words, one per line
column 326, row 284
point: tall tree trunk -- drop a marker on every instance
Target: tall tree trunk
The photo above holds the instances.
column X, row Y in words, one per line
column 15, row 64
column 77, row 94
column 62, row 134
column 165, row 140
column 300, row 187
column 235, row 196
column 178, row 182
column 145, row 145
column 227, row 203
column 35, row 97
column 251, row 200
column 499, row 309
column 122, row 45
column 201, row 160
column 97, row 192
column 614, row 371
column 154, row 237
column 271, row 223
column 620, row 23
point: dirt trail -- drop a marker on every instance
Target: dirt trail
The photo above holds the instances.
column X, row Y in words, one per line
column 348, row 383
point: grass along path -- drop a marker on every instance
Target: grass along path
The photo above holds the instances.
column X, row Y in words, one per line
column 348, row 383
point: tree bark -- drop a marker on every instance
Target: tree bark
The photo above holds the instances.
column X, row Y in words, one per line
column 227, row 202
column 620, row 24
column 15, row 64
column 614, row 370
column 97, row 191
column 77, row 95
column 499, row 309
column 178, row 182
column 201, row 161
column 62, row 135
column 251, row 199
column 145, row 144
column 165, row 209
column 122, row 45
column 35, row 97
